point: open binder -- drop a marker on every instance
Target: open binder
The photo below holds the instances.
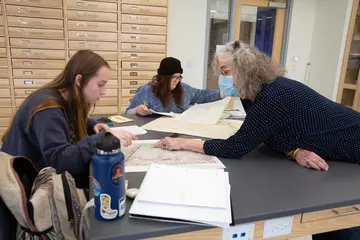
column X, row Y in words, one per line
column 184, row 194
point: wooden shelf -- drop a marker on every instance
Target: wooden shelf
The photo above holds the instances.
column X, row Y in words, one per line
column 349, row 86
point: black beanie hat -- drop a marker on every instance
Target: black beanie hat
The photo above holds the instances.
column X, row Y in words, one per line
column 169, row 66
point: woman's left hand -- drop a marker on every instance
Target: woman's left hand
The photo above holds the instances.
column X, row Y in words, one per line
column 101, row 126
column 169, row 143
column 310, row 159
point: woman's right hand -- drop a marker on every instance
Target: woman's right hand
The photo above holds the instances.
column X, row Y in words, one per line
column 310, row 159
column 142, row 110
column 125, row 137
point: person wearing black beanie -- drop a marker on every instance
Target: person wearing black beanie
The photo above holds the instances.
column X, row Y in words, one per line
column 167, row 93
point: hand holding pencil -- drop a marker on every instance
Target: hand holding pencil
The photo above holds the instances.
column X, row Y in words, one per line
column 142, row 110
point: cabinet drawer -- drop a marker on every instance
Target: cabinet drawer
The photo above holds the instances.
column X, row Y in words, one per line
column 2, row 33
column 112, row 83
column 139, row 19
column 1, row 21
column 23, row 92
column 5, row 93
column 34, row 12
column 37, row 63
column 35, row 73
column 128, row 92
column 6, row 112
column 36, row 3
column 140, row 65
column 4, row 82
column 2, row 129
column 4, row 122
column 330, row 213
column 3, row 52
column 123, row 109
column 133, row 83
column 5, row 102
column 113, row 64
column 2, row 42
column 113, row 73
column 19, row 101
column 142, row 56
column 138, row 47
column 35, row 22
column 30, row 83
column 96, row 26
column 112, row 92
column 142, row 38
column 4, row 72
column 37, row 53
column 92, row 16
column 3, row 63
column 99, row 110
column 37, row 43
column 107, row 101
column 138, row 75
column 94, row 36
column 125, row 101
column 107, row 46
column 105, row 55
column 162, row 3
column 146, row 10
column 90, row 5
column 147, row 29
column 35, row 33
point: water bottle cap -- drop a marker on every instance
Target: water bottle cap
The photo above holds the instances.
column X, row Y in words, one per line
column 108, row 143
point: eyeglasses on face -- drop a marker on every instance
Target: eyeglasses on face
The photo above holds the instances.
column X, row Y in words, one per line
column 174, row 78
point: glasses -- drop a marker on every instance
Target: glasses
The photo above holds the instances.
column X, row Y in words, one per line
column 174, row 78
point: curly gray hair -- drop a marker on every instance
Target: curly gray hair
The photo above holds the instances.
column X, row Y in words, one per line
column 253, row 68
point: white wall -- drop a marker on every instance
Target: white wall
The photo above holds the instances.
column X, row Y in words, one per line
column 328, row 42
column 300, row 37
column 187, row 40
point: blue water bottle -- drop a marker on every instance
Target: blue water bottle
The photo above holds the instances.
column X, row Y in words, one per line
column 109, row 178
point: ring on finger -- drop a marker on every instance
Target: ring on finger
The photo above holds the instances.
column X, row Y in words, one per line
column 308, row 163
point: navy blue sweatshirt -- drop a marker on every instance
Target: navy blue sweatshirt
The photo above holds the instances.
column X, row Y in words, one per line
column 286, row 115
column 47, row 141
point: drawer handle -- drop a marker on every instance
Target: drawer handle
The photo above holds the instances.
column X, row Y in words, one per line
column 133, row 7
column 133, row 37
column 134, row 28
column 27, row 73
column 132, row 91
column 133, row 56
column 133, row 46
column 25, row 42
column 133, row 82
column 81, row 14
column 26, row 52
column 133, row 74
column 86, row 4
column 82, row 34
column 145, row 18
column 19, row 10
column 356, row 210
column 134, row 65
column 22, row 21
column 28, row 82
column 81, row 24
column 144, row 9
column 27, row 63
column 27, row 92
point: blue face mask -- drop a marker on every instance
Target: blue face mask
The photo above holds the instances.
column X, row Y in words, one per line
column 226, row 85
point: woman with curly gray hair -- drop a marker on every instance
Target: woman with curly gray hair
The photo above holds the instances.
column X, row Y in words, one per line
column 285, row 115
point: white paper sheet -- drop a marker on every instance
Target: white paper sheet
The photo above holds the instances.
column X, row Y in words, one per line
column 140, row 155
column 222, row 130
column 170, row 114
column 133, row 129
column 207, row 113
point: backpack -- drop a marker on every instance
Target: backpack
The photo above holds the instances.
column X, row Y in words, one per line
column 46, row 205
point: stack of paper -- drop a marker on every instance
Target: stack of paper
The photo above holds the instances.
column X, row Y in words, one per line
column 184, row 194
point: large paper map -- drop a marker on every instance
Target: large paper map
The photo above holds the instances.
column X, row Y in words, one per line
column 140, row 155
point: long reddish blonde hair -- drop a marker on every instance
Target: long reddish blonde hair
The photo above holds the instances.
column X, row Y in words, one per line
column 85, row 63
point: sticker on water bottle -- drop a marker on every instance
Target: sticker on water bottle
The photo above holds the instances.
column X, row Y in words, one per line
column 116, row 174
column 105, row 207
column 96, row 187
column 122, row 205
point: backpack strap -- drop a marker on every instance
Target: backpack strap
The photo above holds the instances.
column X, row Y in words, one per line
column 17, row 175
column 85, row 221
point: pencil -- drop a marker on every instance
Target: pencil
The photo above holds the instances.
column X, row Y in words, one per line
column 145, row 104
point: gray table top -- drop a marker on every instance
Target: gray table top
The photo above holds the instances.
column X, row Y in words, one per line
column 264, row 185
